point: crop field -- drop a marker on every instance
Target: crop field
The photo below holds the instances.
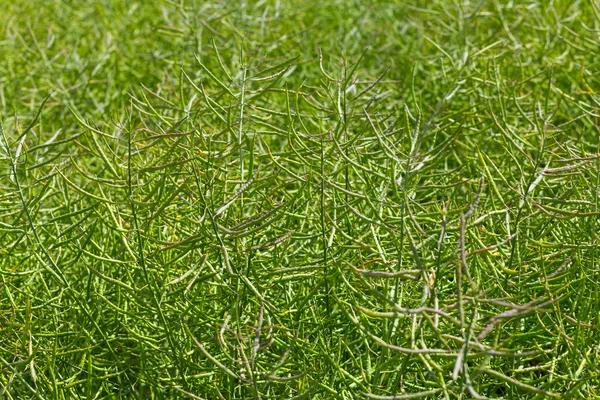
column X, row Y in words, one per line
column 311, row 199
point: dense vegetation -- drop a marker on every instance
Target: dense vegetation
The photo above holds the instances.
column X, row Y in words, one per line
column 311, row 199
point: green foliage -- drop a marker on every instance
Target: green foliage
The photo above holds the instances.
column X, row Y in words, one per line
column 317, row 199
